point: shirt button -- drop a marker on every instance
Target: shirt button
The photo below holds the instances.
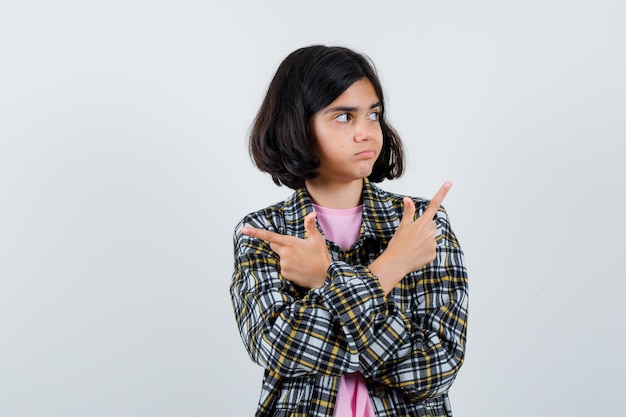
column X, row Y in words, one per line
column 379, row 390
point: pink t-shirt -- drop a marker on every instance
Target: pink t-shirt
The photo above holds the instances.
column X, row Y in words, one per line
column 343, row 226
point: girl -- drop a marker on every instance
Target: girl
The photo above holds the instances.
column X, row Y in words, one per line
column 353, row 299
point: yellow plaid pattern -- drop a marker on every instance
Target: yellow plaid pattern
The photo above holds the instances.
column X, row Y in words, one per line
column 409, row 345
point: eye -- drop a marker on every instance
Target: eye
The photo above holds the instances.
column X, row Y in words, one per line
column 343, row 118
column 374, row 116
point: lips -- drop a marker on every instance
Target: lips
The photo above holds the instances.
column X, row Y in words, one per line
column 366, row 154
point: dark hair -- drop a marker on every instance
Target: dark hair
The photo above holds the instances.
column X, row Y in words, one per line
column 307, row 81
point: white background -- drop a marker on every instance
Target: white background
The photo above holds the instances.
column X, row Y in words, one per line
column 124, row 169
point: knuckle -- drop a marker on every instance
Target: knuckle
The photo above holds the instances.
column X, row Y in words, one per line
column 285, row 264
column 432, row 253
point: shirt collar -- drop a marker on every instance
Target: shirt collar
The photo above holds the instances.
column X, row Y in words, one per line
column 380, row 219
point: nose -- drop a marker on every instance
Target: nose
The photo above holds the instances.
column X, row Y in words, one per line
column 364, row 130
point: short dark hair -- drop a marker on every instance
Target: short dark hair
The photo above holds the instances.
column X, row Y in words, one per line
column 308, row 80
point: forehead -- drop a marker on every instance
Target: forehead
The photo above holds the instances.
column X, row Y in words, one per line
column 360, row 94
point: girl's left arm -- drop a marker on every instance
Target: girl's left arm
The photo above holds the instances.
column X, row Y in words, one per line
column 419, row 344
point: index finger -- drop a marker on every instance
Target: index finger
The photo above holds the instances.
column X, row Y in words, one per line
column 436, row 201
column 263, row 234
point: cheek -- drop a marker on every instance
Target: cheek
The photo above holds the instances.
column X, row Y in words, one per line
column 379, row 137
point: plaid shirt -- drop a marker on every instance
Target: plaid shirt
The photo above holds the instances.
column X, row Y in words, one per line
column 409, row 345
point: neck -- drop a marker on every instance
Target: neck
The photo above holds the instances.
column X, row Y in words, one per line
column 336, row 195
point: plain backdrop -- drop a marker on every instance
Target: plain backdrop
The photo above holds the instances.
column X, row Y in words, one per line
column 124, row 169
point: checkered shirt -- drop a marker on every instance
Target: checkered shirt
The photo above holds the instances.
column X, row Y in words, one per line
column 409, row 345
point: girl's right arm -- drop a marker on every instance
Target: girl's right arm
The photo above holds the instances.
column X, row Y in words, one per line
column 296, row 332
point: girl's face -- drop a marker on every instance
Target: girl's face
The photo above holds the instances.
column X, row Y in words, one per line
column 348, row 134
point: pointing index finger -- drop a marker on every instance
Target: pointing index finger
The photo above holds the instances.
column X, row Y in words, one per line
column 263, row 234
column 437, row 200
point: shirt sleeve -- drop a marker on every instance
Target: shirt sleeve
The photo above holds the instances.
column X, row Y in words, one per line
column 413, row 341
column 294, row 332
column 421, row 350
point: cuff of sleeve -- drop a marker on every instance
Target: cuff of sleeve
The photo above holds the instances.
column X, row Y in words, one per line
column 355, row 297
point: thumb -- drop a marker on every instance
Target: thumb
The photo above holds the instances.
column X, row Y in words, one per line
column 310, row 227
column 408, row 213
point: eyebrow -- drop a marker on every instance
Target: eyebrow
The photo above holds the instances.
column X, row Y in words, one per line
column 350, row 109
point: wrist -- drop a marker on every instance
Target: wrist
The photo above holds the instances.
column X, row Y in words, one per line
column 388, row 271
column 320, row 278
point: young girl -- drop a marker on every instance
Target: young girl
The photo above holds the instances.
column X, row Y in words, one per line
column 353, row 299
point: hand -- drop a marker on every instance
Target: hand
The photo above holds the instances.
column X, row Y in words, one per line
column 302, row 261
column 413, row 244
